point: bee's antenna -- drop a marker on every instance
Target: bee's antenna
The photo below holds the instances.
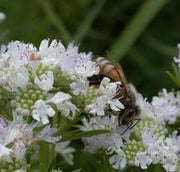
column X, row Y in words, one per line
column 131, row 126
column 109, row 57
column 126, row 129
column 138, row 120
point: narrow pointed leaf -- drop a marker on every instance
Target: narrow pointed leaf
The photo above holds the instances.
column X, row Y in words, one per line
column 79, row 135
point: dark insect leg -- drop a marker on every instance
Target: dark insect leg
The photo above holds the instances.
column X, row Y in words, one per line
column 120, row 119
column 94, row 80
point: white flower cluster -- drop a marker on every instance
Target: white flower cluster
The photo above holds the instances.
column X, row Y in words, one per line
column 17, row 135
column 44, row 83
column 45, row 93
column 177, row 59
column 2, row 16
column 146, row 143
column 30, row 74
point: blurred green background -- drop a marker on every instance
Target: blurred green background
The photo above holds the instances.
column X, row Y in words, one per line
column 141, row 34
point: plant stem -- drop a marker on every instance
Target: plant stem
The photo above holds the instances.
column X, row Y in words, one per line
column 159, row 46
column 52, row 146
column 86, row 24
column 42, row 158
column 137, row 25
column 55, row 20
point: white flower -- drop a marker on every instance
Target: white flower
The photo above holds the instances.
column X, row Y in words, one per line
column 19, row 149
column 111, row 142
column 177, row 59
column 21, row 79
column 107, row 88
column 15, row 79
column 4, row 151
column 41, row 111
column 167, row 105
column 108, row 91
column 98, row 106
column 20, row 170
column 65, row 151
column 160, row 150
column 79, row 64
column 118, row 161
column 148, row 136
column 71, row 58
column 61, row 100
column 19, row 53
column 176, row 139
column 2, row 16
column 87, row 69
column 51, row 54
column 117, row 144
column 79, row 86
column 45, row 81
column 93, row 143
column 46, row 135
column 99, row 122
column 145, row 107
column 8, row 132
column 142, row 160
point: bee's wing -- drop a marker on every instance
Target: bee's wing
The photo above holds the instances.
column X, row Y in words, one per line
column 122, row 76
column 121, row 73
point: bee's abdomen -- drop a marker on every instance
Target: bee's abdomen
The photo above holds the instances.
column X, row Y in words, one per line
column 107, row 69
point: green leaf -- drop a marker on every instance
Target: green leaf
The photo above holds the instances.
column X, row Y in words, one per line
column 93, row 161
column 136, row 26
column 173, row 78
column 86, row 24
column 176, row 71
column 55, row 20
column 79, row 135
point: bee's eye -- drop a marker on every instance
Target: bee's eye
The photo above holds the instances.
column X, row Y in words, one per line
column 130, row 113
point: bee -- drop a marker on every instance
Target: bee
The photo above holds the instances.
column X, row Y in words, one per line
column 126, row 92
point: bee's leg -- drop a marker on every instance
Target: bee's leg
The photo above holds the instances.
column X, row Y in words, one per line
column 94, row 80
column 178, row 132
column 119, row 119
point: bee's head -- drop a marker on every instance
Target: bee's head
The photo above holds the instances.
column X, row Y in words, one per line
column 129, row 114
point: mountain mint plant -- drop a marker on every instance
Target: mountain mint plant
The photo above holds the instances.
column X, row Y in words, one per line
column 50, row 112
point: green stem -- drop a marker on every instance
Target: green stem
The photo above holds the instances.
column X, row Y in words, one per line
column 86, row 24
column 42, row 157
column 52, row 146
column 55, row 20
column 137, row 25
column 160, row 47
column 65, row 125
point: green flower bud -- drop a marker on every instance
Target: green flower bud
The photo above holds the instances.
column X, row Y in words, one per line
column 62, row 80
column 27, row 99
column 131, row 148
column 160, row 130
column 14, row 165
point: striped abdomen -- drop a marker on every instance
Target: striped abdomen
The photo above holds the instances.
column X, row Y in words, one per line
column 107, row 69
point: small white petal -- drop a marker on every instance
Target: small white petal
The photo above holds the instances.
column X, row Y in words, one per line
column 61, row 100
column 98, row 107
column 45, row 81
column 42, row 111
column 142, row 160
column 118, row 161
column 4, row 151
